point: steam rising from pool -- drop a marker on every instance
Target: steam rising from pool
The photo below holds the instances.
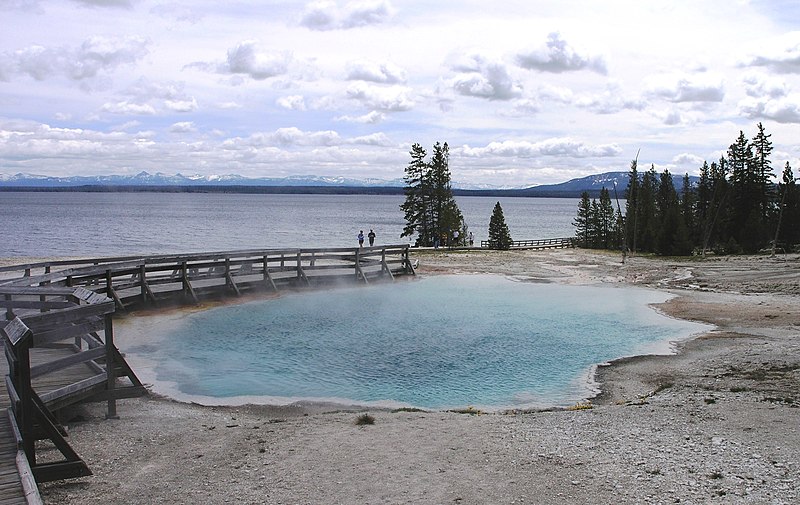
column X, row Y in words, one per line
column 438, row 342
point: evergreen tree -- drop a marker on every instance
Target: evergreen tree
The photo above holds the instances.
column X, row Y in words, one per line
column 647, row 227
column 582, row 221
column 787, row 231
column 499, row 236
column 632, row 208
column 430, row 208
column 605, row 221
column 416, row 205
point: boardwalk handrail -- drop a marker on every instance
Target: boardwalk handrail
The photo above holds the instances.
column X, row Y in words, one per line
column 147, row 279
column 43, row 317
column 543, row 243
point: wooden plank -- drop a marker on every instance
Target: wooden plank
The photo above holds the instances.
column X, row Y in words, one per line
column 29, row 487
column 81, row 357
column 73, row 388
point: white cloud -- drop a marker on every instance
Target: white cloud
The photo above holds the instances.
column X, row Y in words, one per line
column 760, row 85
column 556, row 55
column 680, row 87
column 783, row 109
column 374, row 139
column 483, row 78
column 612, row 100
column 328, row 15
column 249, row 58
column 383, row 73
column 94, row 56
column 565, row 147
column 124, row 4
column 292, row 102
column 372, row 117
column 688, row 159
column 187, row 105
column 383, row 99
column 183, row 127
column 126, row 107
column 781, row 55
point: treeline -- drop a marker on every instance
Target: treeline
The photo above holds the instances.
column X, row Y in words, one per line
column 736, row 207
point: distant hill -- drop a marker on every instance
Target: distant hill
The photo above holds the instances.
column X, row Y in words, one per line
column 144, row 181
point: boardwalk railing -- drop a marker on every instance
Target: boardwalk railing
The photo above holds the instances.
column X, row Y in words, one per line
column 152, row 279
column 56, row 358
column 58, row 329
column 544, row 243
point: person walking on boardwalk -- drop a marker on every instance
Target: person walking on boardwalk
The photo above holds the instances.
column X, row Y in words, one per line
column 371, row 236
column 471, row 239
column 361, row 238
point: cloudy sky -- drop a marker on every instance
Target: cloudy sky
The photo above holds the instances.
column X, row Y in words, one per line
column 525, row 92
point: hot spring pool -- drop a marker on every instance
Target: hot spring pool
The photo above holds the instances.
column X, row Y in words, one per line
column 438, row 342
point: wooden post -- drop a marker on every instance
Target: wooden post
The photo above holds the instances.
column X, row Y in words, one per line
column 267, row 276
column 111, row 374
column 9, row 311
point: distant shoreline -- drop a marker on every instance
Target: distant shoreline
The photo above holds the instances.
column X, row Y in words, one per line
column 289, row 190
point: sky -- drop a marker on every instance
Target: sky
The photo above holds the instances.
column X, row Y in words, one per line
column 524, row 92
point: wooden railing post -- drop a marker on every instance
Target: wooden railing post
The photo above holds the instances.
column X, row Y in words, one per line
column 111, row 374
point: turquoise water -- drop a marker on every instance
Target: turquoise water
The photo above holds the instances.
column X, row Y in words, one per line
column 437, row 342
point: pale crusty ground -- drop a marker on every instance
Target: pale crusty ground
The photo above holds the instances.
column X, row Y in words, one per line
column 717, row 423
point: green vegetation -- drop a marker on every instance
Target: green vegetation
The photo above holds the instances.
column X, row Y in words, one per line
column 430, row 209
column 364, row 419
column 499, row 236
column 735, row 208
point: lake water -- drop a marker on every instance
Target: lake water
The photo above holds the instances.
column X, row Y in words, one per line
column 118, row 224
column 437, row 342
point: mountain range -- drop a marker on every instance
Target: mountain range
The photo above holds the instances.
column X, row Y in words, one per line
column 144, row 181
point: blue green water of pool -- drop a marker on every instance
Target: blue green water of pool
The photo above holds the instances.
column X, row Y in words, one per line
column 438, row 342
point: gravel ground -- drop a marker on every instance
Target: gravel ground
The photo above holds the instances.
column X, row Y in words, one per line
column 716, row 423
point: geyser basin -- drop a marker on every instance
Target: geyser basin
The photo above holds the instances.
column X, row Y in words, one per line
column 437, row 342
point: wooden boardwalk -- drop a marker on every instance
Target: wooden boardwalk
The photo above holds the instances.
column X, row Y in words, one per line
column 12, row 490
column 58, row 333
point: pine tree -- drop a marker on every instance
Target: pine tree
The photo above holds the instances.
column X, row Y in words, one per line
column 582, row 221
column 605, row 220
column 415, row 207
column 430, row 208
column 787, row 230
column 632, row 208
column 499, row 236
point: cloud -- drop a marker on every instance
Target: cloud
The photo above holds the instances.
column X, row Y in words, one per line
column 614, row 99
column 383, row 73
column 760, row 85
column 188, row 105
column 327, row 15
column 374, row 139
column 120, row 4
column 686, row 88
column 556, row 55
column 482, row 78
column 248, row 58
column 183, row 127
column 782, row 55
column 292, row 102
column 372, row 117
column 688, row 159
column 561, row 147
column 383, row 99
column 96, row 55
column 782, row 110
column 126, row 107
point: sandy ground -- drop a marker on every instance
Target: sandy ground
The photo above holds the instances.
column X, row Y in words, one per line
column 717, row 423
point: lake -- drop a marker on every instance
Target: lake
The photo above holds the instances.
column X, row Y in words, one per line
column 115, row 224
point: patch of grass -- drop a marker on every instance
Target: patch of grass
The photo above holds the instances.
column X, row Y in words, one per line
column 715, row 475
column 469, row 410
column 738, row 389
column 364, row 419
column 709, row 401
column 581, row 406
column 407, row 409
